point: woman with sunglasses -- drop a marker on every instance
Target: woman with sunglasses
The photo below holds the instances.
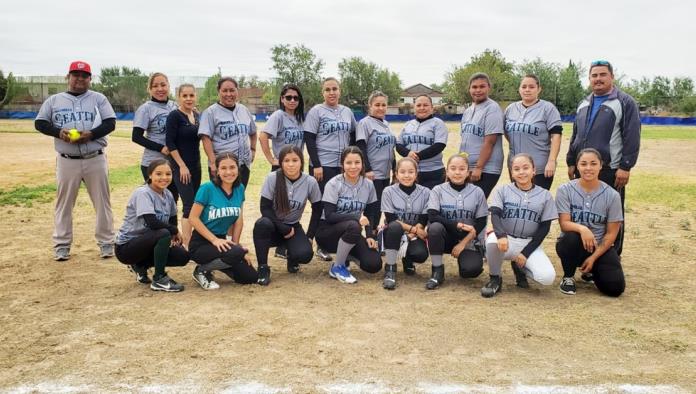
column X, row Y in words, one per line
column 284, row 126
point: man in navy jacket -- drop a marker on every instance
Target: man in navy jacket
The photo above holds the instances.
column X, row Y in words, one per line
column 609, row 121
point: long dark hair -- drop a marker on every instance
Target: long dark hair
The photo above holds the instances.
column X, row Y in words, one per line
column 299, row 111
column 280, row 196
column 357, row 151
column 219, row 158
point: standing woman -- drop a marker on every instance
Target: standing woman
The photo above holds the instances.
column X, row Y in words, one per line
column 216, row 212
column 151, row 118
column 423, row 139
column 457, row 213
column 521, row 214
column 228, row 126
column 149, row 235
column 184, row 149
column 328, row 130
column 405, row 206
column 590, row 216
column 533, row 126
column 481, row 132
column 284, row 194
column 349, row 202
column 284, row 126
column 377, row 142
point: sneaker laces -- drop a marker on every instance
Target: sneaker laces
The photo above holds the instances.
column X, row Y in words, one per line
column 568, row 281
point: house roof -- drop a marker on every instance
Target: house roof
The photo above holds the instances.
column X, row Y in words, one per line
column 418, row 89
column 251, row 92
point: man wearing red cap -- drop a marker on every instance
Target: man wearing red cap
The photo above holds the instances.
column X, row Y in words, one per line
column 79, row 121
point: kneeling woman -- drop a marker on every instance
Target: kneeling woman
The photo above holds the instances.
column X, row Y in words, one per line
column 521, row 214
column 149, row 235
column 349, row 200
column 284, row 194
column 457, row 213
column 405, row 206
column 217, row 211
column 590, row 216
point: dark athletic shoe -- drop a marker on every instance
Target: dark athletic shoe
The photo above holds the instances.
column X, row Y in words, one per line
column 437, row 278
column 281, row 252
column 588, row 277
column 293, row 268
column 568, row 286
column 494, row 285
column 520, row 276
column 61, row 254
column 409, row 268
column 389, row 282
column 264, row 275
column 140, row 274
column 166, row 283
column 323, row 256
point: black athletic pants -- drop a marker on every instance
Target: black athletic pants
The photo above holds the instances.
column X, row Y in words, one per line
column 171, row 187
column 329, row 172
column 349, row 231
column 187, row 191
column 440, row 242
column 430, row 179
column 487, row 182
column 417, row 251
column 542, row 181
column 607, row 273
column 140, row 250
column 235, row 266
column 380, row 184
column 299, row 249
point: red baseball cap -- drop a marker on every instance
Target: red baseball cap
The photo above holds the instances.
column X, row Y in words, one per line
column 79, row 65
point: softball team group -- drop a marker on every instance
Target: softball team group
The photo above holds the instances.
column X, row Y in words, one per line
column 366, row 206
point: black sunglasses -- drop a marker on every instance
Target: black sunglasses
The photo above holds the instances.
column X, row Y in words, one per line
column 291, row 98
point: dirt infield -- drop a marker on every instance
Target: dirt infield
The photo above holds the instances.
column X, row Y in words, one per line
column 85, row 325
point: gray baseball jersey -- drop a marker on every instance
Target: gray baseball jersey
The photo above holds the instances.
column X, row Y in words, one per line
column 523, row 210
column 152, row 117
column 145, row 201
column 333, row 127
column 406, row 207
column 229, row 130
column 380, row 144
column 303, row 189
column 284, row 130
column 463, row 206
column 592, row 210
column 416, row 136
column 83, row 112
column 527, row 130
column 349, row 199
column 479, row 121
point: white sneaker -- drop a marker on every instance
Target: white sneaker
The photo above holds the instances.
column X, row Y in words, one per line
column 341, row 273
column 205, row 279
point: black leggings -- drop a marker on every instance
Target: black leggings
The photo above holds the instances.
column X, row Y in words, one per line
column 542, row 181
column 234, row 265
column 187, row 191
column 244, row 173
column 171, row 187
column 298, row 246
column 329, row 172
column 440, row 242
column 380, row 184
column 417, row 250
column 349, row 231
column 430, row 179
column 607, row 273
column 487, row 182
column 140, row 250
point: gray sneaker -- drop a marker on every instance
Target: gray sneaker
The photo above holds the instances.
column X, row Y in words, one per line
column 324, row 256
column 205, row 279
column 62, row 253
column 106, row 251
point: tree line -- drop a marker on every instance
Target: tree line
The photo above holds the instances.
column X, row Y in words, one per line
column 298, row 64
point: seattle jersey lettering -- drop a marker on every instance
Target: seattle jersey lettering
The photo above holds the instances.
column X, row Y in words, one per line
column 450, row 212
column 383, row 139
column 329, row 125
column 230, row 129
column 513, row 211
column 292, row 136
column 524, row 128
column 417, row 139
column 470, row 128
column 66, row 116
column 346, row 205
column 578, row 215
column 406, row 217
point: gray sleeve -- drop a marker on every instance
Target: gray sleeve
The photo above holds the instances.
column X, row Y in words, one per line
column 268, row 187
column 362, row 133
column 46, row 111
column 144, row 204
column 498, row 198
column 106, row 111
column 353, row 122
column 614, row 213
column 314, row 191
column 252, row 123
column 562, row 199
column 493, row 123
column 433, row 200
column 553, row 117
column 142, row 117
column 549, row 211
column 206, row 123
column 372, row 192
column 311, row 123
column 441, row 133
column 387, row 205
column 482, row 206
column 273, row 125
column 330, row 192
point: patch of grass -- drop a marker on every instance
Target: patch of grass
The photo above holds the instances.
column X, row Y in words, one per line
column 668, row 133
column 685, row 224
column 670, row 191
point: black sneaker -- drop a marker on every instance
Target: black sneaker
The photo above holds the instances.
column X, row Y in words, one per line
column 409, row 268
column 281, row 252
column 264, row 275
column 293, row 268
column 494, row 285
column 140, row 274
column 389, row 282
column 166, row 283
column 568, row 286
column 520, row 276
column 587, row 277
column 437, row 278
column 324, row 256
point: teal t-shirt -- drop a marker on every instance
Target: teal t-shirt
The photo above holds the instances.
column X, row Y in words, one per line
column 220, row 211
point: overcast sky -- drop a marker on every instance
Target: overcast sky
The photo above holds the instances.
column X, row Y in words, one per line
column 420, row 40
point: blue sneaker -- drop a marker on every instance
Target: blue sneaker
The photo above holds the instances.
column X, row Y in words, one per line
column 341, row 273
